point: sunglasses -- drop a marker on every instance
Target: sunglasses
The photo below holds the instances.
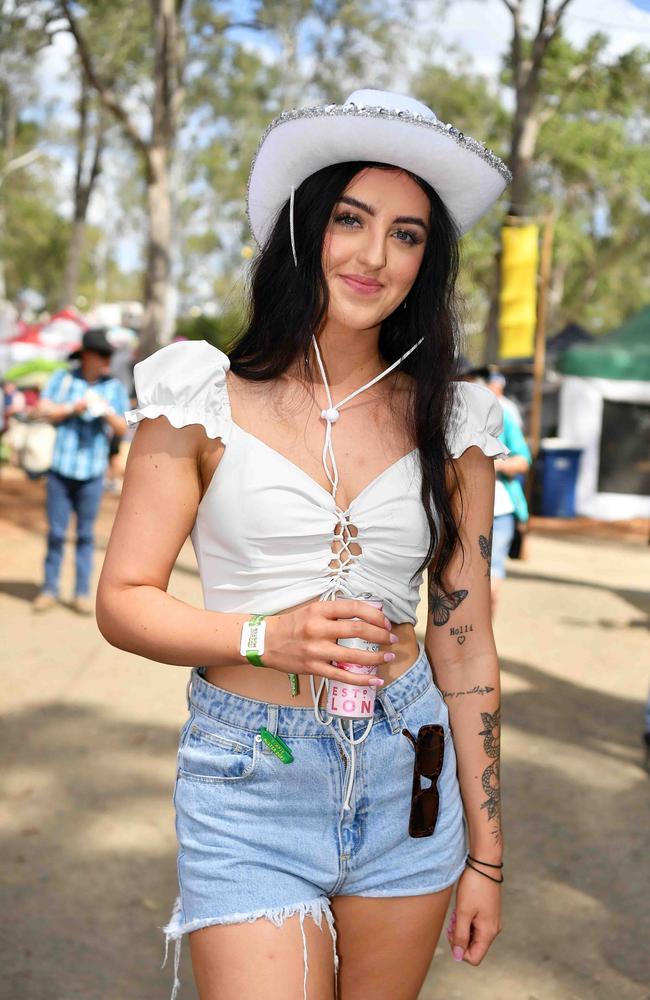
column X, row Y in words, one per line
column 429, row 757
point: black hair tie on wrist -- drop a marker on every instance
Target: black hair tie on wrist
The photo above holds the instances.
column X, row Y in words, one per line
column 486, row 863
column 485, row 874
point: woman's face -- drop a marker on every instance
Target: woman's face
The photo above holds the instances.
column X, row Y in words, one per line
column 373, row 246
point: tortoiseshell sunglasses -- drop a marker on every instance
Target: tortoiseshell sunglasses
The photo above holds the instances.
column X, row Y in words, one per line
column 429, row 757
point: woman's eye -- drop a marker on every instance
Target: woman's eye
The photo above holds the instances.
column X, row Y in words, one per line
column 347, row 220
column 406, row 236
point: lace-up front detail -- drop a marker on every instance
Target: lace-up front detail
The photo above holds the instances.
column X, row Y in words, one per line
column 344, row 546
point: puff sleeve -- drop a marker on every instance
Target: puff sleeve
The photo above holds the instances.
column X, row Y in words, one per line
column 185, row 382
column 476, row 419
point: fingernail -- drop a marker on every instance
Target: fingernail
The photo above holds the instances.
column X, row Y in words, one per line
column 458, row 954
column 388, row 657
column 375, row 682
column 393, row 637
column 387, row 624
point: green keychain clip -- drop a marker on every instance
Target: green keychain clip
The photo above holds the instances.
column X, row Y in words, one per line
column 276, row 745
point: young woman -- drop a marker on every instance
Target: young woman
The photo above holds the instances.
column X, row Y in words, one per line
column 330, row 456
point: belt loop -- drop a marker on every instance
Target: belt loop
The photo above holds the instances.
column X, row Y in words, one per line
column 272, row 719
column 393, row 716
column 188, row 689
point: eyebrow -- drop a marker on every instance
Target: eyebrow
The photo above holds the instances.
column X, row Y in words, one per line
column 413, row 220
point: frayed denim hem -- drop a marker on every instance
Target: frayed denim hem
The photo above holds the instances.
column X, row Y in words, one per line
column 314, row 908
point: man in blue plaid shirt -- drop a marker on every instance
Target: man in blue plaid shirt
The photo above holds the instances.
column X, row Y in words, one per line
column 87, row 405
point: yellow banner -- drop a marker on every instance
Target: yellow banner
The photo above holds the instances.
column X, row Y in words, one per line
column 518, row 299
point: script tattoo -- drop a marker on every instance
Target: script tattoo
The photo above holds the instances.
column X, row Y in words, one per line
column 477, row 689
column 490, row 778
column 485, row 545
column 442, row 605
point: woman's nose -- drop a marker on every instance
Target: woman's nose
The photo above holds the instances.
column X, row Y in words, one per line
column 373, row 251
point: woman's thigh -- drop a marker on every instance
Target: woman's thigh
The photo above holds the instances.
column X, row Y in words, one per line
column 385, row 946
column 259, row 959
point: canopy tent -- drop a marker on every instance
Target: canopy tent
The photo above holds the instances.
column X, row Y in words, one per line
column 622, row 354
column 605, row 410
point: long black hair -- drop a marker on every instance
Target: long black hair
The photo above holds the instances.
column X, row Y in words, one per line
column 288, row 304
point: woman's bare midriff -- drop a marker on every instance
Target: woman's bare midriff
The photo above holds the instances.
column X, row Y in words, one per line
column 273, row 685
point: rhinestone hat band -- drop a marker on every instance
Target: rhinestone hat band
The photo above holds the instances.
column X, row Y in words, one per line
column 386, row 114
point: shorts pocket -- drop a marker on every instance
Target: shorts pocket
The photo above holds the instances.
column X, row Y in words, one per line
column 429, row 709
column 209, row 756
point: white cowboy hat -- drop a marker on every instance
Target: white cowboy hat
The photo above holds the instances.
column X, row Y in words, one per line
column 379, row 126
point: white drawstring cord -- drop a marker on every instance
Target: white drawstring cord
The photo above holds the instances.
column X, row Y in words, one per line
column 331, row 414
column 291, row 228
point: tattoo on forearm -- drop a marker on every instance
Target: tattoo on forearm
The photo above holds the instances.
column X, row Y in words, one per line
column 442, row 605
column 477, row 689
column 490, row 778
column 485, row 545
column 460, row 632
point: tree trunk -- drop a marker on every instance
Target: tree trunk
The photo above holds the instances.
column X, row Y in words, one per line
column 527, row 121
column 83, row 189
column 155, row 326
column 73, row 263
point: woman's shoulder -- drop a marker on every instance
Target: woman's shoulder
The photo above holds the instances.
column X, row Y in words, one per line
column 476, row 418
column 185, row 382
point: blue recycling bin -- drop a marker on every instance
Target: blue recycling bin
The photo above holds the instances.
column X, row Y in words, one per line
column 560, row 465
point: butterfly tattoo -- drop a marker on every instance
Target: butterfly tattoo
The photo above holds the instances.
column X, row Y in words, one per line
column 442, row 605
column 485, row 545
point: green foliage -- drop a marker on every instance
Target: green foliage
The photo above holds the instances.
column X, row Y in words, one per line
column 220, row 331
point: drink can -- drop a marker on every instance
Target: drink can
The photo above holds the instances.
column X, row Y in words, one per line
column 354, row 701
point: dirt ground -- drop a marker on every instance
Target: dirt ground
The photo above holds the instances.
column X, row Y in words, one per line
column 88, row 740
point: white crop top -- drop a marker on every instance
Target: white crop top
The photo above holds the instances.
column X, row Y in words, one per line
column 264, row 529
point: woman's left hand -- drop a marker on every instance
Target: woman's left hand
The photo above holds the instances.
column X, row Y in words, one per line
column 476, row 921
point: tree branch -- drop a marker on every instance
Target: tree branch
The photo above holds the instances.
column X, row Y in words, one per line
column 106, row 94
column 19, row 162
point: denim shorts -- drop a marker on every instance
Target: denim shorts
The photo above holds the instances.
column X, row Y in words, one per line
column 262, row 839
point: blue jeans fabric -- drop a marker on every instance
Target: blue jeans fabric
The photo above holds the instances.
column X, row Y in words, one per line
column 503, row 533
column 65, row 496
column 260, row 838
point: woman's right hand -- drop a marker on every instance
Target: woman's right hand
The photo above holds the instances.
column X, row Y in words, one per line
column 304, row 641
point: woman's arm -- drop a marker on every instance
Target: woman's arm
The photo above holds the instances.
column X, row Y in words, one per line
column 460, row 646
column 161, row 494
column 160, row 497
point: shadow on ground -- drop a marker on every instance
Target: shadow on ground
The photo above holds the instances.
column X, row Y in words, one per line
column 89, row 856
column 89, row 851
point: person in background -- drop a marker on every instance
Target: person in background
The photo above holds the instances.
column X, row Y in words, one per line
column 87, row 410
column 496, row 382
column 510, row 505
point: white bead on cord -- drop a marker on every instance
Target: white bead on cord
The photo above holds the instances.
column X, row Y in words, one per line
column 331, row 413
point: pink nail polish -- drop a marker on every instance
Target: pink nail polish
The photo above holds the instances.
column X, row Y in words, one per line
column 375, row 682
column 458, row 954
column 388, row 657
column 387, row 625
column 394, row 638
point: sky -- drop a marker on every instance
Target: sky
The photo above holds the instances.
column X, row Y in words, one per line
column 480, row 28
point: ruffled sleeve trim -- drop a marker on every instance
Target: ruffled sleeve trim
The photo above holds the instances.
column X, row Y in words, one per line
column 476, row 419
column 215, row 426
column 186, row 383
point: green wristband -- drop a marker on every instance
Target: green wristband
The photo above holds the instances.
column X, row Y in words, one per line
column 250, row 638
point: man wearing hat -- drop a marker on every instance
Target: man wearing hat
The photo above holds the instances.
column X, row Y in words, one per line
column 87, row 409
